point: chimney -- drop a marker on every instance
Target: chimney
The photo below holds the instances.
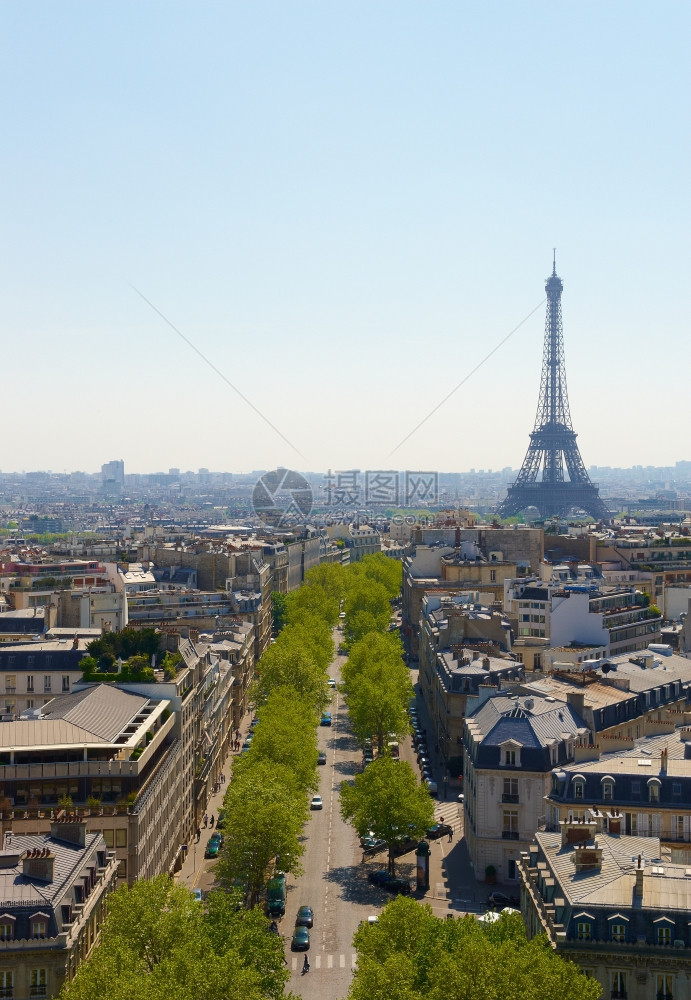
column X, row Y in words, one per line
column 69, row 830
column 38, row 863
column 576, row 700
column 639, row 879
column 485, row 663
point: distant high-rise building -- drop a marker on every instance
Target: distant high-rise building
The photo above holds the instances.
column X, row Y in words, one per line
column 553, row 477
column 113, row 476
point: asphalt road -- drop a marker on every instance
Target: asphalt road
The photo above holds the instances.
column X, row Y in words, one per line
column 335, row 882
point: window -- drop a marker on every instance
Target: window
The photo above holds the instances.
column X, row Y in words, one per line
column 6, row 927
column 39, row 927
column 510, row 758
column 109, row 837
column 65, row 682
column 11, row 682
column 46, row 683
column 510, row 793
column 654, row 792
column 122, row 869
column 607, row 791
column 510, row 825
column 583, row 930
column 29, row 682
column 121, row 838
column 493, row 576
column 7, row 983
column 635, row 789
column 38, row 983
column 619, row 932
column 664, row 987
column 618, row 986
column 676, row 789
column 664, row 934
column 511, row 869
column 578, row 788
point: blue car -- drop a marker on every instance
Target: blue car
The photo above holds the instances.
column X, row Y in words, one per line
column 325, row 719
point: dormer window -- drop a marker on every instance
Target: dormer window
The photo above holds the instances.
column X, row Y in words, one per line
column 654, row 789
column 39, row 925
column 664, row 934
column 6, row 927
column 607, row 783
column 583, row 930
column 578, row 788
column 509, row 758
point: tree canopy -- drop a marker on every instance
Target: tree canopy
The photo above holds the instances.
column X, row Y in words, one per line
column 410, row 954
column 387, row 799
column 378, row 687
column 158, row 943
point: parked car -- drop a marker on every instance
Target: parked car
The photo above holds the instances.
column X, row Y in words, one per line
column 321, row 759
column 500, row 901
column 212, row 848
column 325, row 719
column 305, row 917
column 438, row 830
column 379, row 877
column 431, row 786
column 371, row 844
column 197, row 895
column 331, row 682
column 316, row 802
column 300, row 940
column 384, row 880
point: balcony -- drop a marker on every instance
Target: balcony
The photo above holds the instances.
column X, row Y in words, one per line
column 510, row 797
column 664, row 996
column 618, row 995
column 510, row 835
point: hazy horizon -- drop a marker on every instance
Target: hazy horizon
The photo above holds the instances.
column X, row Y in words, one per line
column 343, row 209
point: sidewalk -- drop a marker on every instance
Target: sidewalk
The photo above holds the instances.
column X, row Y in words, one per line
column 452, row 880
column 195, row 864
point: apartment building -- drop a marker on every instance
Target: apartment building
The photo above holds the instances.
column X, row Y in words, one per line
column 54, row 888
column 511, row 744
column 464, row 650
column 33, row 673
column 614, row 905
column 642, row 790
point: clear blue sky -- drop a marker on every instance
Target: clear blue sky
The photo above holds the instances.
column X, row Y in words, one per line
column 344, row 206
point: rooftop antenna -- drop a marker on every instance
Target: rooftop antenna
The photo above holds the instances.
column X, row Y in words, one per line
column 554, row 261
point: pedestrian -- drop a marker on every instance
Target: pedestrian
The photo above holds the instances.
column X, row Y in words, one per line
column 206, row 820
column 306, row 965
column 211, row 821
column 450, row 834
column 199, row 834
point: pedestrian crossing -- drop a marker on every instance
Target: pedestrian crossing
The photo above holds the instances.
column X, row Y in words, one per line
column 325, row 961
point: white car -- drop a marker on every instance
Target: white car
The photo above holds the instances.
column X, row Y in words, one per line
column 332, row 682
column 316, row 802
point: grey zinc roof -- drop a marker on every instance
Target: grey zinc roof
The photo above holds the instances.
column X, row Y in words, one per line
column 612, row 885
column 17, row 890
column 533, row 721
column 94, row 715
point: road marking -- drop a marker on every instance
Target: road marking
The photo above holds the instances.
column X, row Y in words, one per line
column 295, row 963
column 329, row 962
column 318, row 962
column 341, row 961
column 353, row 960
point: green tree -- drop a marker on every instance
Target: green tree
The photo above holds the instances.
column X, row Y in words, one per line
column 279, row 610
column 367, row 604
column 377, row 567
column 286, row 736
column 387, row 799
column 157, row 944
column 264, row 813
column 289, row 663
column 378, row 688
column 410, row 954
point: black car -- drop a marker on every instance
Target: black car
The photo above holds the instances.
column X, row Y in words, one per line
column 385, row 880
column 500, row 901
column 305, row 917
column 321, row 759
column 438, row 830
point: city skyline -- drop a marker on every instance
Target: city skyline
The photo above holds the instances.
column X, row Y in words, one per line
column 343, row 212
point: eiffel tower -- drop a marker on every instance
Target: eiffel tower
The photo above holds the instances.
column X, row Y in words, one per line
column 553, row 450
